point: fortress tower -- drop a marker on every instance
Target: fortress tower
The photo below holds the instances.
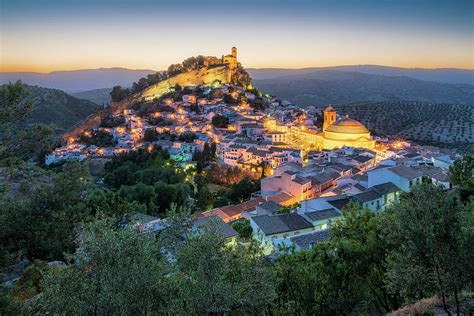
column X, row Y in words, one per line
column 231, row 61
column 329, row 117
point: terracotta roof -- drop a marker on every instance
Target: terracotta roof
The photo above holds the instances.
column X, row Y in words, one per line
column 228, row 213
column 280, row 198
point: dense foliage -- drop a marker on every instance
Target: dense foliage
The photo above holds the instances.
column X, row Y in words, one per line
column 220, row 121
column 29, row 141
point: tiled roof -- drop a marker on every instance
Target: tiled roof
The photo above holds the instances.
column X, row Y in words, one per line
column 360, row 187
column 322, row 214
column 324, row 177
column 280, row 198
column 405, row 172
column 385, row 188
column 306, row 241
column 366, row 196
column 362, row 159
column 214, row 222
column 301, row 180
column 281, row 223
column 270, row 207
column 339, row 204
column 232, row 210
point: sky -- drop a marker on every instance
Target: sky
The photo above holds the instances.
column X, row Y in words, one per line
column 49, row 35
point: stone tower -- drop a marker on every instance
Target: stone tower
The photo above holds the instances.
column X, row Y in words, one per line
column 329, row 117
column 231, row 61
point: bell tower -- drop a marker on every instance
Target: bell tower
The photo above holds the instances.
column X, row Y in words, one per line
column 234, row 52
column 329, row 117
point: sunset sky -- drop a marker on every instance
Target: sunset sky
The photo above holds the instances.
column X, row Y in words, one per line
column 52, row 35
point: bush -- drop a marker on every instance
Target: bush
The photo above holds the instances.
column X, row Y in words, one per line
column 243, row 228
column 220, row 121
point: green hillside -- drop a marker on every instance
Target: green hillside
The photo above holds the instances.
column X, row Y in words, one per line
column 51, row 106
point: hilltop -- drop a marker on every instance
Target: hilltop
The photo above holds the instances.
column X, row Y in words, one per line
column 192, row 72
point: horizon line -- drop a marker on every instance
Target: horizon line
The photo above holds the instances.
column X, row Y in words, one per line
column 256, row 68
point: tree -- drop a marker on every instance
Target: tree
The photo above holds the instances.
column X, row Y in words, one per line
column 204, row 198
column 212, row 278
column 344, row 275
column 299, row 284
column 150, row 135
column 242, row 190
column 187, row 137
column 243, row 228
column 359, row 242
column 114, row 271
column 41, row 227
column 118, row 93
column 13, row 104
column 141, row 193
column 432, row 244
column 220, row 121
column 16, row 138
column 461, row 173
column 168, row 194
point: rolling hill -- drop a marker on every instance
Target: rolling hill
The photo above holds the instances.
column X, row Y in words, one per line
column 332, row 86
column 418, row 121
column 57, row 107
column 98, row 96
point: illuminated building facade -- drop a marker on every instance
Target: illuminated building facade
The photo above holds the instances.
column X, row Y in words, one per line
column 335, row 134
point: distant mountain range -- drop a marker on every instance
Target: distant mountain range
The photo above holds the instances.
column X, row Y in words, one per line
column 445, row 75
column 324, row 86
column 92, row 79
column 78, row 80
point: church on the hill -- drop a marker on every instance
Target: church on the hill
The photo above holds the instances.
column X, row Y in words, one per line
column 343, row 132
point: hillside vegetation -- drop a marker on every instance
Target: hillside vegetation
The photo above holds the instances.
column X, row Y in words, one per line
column 331, row 86
column 419, row 121
column 57, row 107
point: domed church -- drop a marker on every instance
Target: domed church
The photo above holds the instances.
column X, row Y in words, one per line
column 343, row 132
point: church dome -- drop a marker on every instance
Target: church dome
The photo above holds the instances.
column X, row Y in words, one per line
column 347, row 126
